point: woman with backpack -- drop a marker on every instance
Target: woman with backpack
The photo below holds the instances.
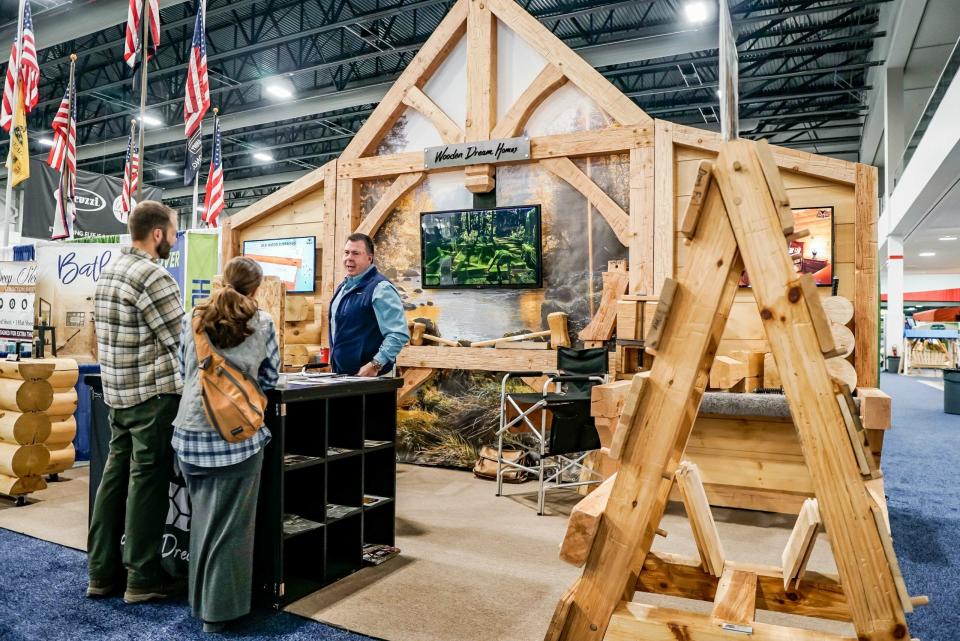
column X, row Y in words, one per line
column 222, row 466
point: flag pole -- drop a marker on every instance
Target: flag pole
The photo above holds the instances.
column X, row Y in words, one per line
column 8, row 204
column 144, row 46
column 129, row 167
column 196, row 200
column 64, row 165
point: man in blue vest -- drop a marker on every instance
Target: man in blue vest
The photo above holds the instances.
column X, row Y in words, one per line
column 367, row 325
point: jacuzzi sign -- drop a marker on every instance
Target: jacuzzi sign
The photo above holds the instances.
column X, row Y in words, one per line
column 87, row 200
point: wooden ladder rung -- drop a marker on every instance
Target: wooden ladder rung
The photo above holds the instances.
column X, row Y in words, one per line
column 691, row 217
column 625, row 422
column 736, row 600
column 583, row 524
column 701, row 518
column 856, row 433
column 800, row 545
column 655, row 334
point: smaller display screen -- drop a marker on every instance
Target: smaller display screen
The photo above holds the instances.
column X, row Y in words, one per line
column 292, row 260
column 812, row 254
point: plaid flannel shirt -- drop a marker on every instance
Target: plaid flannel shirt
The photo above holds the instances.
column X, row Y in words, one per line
column 207, row 448
column 137, row 311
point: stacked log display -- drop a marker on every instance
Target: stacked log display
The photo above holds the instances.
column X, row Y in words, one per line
column 37, row 427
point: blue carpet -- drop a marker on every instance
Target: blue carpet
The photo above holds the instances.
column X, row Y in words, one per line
column 922, row 482
column 43, row 586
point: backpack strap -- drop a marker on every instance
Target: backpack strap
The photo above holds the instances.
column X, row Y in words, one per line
column 202, row 343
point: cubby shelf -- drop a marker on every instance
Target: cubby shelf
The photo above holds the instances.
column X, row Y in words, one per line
column 333, row 446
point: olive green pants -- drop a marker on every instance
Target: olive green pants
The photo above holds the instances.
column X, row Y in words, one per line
column 126, row 527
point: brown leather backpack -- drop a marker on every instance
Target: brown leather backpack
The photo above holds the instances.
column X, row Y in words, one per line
column 232, row 401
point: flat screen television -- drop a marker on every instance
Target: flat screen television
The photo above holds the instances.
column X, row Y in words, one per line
column 292, row 260
column 476, row 248
column 812, row 254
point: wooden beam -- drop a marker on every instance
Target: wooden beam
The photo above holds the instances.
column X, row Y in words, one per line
column 777, row 192
column 480, row 179
column 633, row 621
column 583, row 524
column 661, row 425
column 654, row 333
column 348, row 219
column 727, row 372
column 547, row 81
column 843, row 500
column 430, row 56
column 487, row 360
column 800, row 162
column 284, row 196
column 642, row 208
column 330, row 253
column 736, row 600
column 618, row 219
column 691, row 217
column 413, row 379
column 701, row 518
column 601, row 326
column 664, row 223
column 628, row 416
column 579, row 71
column 229, row 244
column 819, row 595
column 388, row 202
column 875, row 408
column 481, row 70
column 450, row 132
column 866, row 278
column 573, row 145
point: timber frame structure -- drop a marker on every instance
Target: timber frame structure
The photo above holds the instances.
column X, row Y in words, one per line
column 662, row 156
column 743, row 221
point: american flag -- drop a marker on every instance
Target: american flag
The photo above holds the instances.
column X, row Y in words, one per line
column 131, row 45
column 197, row 91
column 26, row 69
column 131, row 174
column 64, row 154
column 213, row 202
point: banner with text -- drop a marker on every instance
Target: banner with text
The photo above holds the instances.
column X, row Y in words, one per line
column 98, row 203
column 18, row 285
column 203, row 263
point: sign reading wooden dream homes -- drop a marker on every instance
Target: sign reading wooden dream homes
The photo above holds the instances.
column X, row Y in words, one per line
column 477, row 153
column 18, row 286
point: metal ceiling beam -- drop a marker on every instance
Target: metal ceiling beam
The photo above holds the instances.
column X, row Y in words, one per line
column 74, row 20
column 243, row 183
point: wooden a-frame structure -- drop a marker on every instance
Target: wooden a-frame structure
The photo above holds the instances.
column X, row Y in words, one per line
column 742, row 221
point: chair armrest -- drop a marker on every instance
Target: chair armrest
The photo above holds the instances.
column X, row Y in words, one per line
column 576, row 378
column 524, row 374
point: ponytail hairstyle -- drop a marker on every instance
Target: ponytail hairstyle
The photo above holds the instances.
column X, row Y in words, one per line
column 225, row 316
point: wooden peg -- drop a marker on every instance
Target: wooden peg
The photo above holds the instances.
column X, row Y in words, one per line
column 655, row 334
column 688, row 228
column 797, row 235
column 917, row 601
column 661, row 532
column 440, row 341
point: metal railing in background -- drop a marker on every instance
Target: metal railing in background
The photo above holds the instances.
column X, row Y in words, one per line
column 933, row 103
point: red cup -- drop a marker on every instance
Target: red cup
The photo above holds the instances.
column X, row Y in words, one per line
column 324, row 354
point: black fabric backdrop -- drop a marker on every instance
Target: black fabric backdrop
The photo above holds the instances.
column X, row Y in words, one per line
column 98, row 202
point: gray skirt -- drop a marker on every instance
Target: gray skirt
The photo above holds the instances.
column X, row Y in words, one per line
column 223, row 518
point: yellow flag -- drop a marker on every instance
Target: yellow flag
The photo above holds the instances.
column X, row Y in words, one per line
column 19, row 148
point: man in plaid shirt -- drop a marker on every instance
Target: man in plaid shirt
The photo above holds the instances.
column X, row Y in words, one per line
column 138, row 313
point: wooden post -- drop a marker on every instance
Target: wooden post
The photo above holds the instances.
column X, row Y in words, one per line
column 661, row 426
column 866, row 279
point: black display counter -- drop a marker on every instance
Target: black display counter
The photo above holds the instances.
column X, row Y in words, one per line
column 328, row 485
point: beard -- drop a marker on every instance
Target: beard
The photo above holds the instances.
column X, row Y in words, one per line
column 163, row 249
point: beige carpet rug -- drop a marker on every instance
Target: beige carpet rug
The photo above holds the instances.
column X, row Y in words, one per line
column 475, row 567
column 57, row 514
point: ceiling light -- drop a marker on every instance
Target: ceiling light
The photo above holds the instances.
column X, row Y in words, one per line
column 163, row 171
column 695, row 11
column 927, row 254
column 153, row 121
column 263, row 156
column 46, row 142
column 279, row 87
column 279, row 91
column 941, row 238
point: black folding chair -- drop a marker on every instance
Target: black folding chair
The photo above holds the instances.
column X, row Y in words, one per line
column 559, row 446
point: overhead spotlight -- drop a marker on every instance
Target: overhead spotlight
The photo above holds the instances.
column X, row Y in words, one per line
column 163, row 171
column 46, row 142
column 263, row 156
column 941, row 238
column 927, row 254
column 279, row 88
column 696, row 11
column 153, row 121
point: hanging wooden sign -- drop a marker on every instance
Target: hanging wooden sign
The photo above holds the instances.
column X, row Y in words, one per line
column 477, row 153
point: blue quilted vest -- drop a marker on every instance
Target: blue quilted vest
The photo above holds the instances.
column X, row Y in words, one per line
column 358, row 336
